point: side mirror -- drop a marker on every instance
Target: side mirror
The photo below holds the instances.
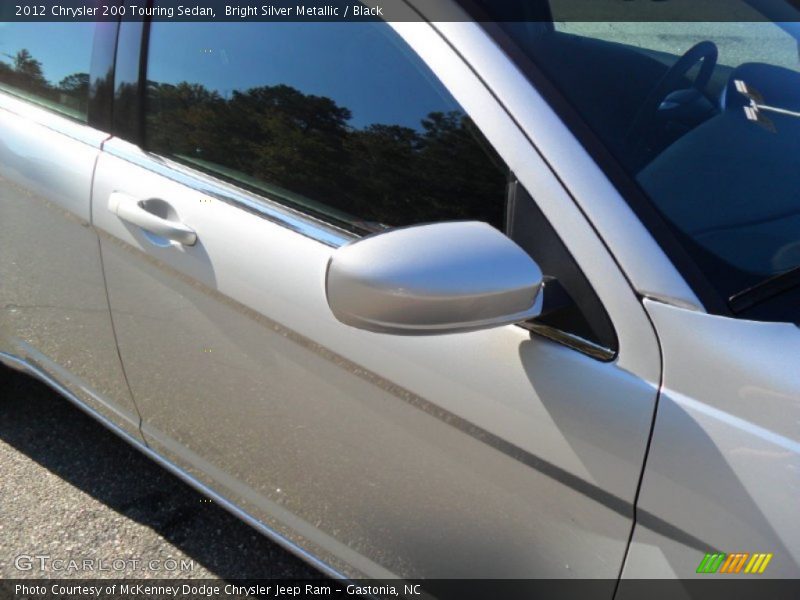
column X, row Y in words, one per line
column 433, row 279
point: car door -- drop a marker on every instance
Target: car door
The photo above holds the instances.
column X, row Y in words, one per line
column 499, row 453
column 55, row 318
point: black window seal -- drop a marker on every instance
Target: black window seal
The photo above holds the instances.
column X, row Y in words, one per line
column 101, row 75
column 130, row 85
column 565, row 283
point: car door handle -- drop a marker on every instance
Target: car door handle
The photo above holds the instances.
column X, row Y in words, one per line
column 154, row 216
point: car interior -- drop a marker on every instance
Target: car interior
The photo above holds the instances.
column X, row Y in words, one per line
column 702, row 139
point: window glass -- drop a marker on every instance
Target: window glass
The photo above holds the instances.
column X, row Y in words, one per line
column 48, row 63
column 705, row 118
column 341, row 120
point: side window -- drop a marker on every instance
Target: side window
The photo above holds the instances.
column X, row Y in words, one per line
column 342, row 121
column 48, row 63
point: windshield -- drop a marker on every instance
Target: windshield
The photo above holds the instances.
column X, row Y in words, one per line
column 705, row 119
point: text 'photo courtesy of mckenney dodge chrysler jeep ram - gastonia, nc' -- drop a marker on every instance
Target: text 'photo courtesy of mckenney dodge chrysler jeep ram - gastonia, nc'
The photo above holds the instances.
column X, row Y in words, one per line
column 405, row 298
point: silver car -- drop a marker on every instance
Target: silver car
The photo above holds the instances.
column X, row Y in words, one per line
column 426, row 299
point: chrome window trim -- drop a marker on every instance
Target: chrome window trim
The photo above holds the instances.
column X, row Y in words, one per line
column 52, row 120
column 570, row 340
column 202, row 182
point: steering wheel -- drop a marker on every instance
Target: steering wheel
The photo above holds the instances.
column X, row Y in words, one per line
column 704, row 51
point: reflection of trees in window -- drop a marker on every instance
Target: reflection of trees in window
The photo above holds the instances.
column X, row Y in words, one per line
column 76, row 84
column 387, row 174
column 25, row 74
column 30, row 69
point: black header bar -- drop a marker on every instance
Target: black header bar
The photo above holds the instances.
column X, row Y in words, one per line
column 399, row 10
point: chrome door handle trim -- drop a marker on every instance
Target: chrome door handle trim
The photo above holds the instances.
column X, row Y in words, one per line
column 264, row 207
column 130, row 209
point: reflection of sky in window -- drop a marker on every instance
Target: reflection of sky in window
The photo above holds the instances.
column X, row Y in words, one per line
column 364, row 67
column 62, row 48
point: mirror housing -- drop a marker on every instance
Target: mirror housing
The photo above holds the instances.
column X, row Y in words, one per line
column 433, row 279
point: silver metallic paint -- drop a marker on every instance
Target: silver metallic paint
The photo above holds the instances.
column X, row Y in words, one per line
column 371, row 454
column 433, row 279
column 53, row 305
column 725, row 457
column 214, row 345
column 26, row 366
column 513, row 144
column 391, row 447
column 137, row 212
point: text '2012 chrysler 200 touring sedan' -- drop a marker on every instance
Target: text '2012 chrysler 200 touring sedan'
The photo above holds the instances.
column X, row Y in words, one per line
column 425, row 299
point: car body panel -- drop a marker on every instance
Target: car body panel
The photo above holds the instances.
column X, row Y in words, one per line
column 373, row 451
column 387, row 456
column 725, row 456
column 53, row 297
column 494, row 453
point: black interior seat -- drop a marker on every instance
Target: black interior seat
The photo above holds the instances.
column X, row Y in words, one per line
column 731, row 181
